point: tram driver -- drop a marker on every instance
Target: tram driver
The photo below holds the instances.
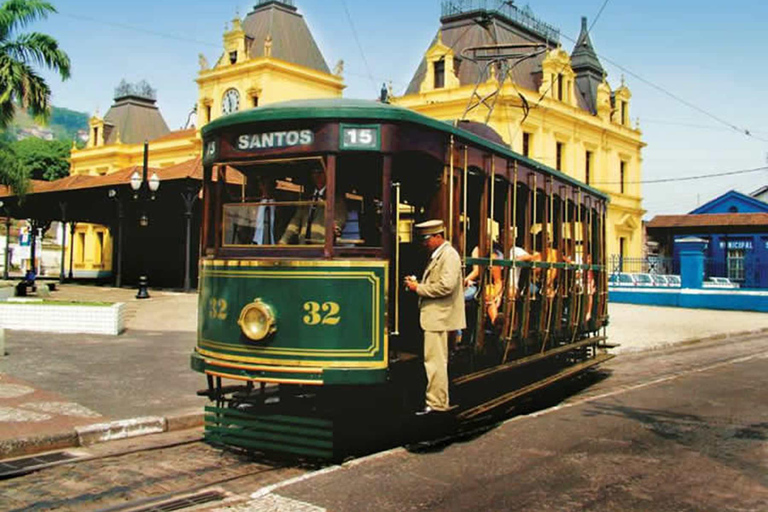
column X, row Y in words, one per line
column 307, row 226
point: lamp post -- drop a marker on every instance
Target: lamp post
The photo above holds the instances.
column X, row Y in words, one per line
column 144, row 191
column 6, row 259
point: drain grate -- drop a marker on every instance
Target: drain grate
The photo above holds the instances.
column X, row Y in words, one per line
column 192, row 500
column 25, row 465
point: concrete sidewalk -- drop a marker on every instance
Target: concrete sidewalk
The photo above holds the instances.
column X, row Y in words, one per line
column 53, row 387
column 636, row 328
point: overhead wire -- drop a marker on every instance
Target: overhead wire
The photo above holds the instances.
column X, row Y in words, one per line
column 597, row 16
column 743, row 131
column 359, row 45
column 683, row 178
column 175, row 37
column 565, row 64
column 136, row 29
column 692, row 125
column 527, row 107
column 466, row 30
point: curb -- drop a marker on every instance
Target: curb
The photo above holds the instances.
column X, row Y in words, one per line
column 98, row 433
column 135, row 427
column 692, row 341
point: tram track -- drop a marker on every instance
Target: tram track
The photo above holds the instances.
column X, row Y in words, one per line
column 75, row 456
column 142, row 478
column 148, row 475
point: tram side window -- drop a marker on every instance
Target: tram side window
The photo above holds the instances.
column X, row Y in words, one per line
column 358, row 193
column 278, row 204
column 285, row 203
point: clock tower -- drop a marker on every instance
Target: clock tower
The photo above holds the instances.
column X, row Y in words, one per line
column 268, row 56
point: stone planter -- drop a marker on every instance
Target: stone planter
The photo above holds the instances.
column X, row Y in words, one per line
column 6, row 292
column 64, row 318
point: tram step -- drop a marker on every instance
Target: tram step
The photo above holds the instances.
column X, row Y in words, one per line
column 514, row 395
column 276, row 433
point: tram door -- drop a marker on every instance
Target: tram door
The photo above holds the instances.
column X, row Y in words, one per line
column 416, row 193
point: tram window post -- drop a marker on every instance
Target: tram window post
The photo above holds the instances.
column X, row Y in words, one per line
column 386, row 199
column 330, row 201
column 205, row 239
column 221, row 181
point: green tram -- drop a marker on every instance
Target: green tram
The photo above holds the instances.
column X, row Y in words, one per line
column 308, row 339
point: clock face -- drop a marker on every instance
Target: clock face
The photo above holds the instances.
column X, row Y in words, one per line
column 230, row 102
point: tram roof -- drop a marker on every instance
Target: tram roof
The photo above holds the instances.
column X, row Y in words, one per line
column 345, row 109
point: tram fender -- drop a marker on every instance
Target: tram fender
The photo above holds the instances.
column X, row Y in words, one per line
column 345, row 376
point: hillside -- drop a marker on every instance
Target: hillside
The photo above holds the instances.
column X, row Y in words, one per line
column 64, row 125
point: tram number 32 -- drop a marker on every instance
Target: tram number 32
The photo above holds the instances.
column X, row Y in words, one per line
column 217, row 309
column 326, row 313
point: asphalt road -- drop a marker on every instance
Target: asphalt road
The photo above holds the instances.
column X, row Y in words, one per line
column 677, row 430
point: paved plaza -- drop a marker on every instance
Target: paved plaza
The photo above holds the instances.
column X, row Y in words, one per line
column 52, row 383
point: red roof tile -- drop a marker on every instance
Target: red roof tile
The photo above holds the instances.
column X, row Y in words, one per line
column 190, row 169
column 709, row 220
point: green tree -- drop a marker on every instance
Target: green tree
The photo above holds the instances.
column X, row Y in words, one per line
column 43, row 159
column 20, row 83
column 12, row 173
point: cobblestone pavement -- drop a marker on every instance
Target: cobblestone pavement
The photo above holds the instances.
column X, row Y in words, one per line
column 117, row 480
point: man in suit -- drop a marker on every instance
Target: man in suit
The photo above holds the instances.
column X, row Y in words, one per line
column 441, row 305
column 307, row 226
column 264, row 232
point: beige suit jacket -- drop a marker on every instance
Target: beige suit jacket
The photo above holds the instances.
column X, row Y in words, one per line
column 296, row 231
column 441, row 293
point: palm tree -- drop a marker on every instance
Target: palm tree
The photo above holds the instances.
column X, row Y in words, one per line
column 19, row 81
column 20, row 84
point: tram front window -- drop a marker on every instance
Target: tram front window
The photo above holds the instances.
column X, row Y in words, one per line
column 285, row 204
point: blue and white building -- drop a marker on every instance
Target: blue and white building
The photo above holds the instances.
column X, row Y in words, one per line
column 735, row 227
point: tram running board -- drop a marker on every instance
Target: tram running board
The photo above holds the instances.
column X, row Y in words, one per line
column 513, row 395
column 528, row 360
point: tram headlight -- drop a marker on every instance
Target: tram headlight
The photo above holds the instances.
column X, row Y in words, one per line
column 257, row 320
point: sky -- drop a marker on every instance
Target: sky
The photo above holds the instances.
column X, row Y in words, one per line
column 696, row 68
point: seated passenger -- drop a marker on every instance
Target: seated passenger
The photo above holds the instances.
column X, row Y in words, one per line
column 591, row 288
column 549, row 255
column 493, row 288
column 517, row 254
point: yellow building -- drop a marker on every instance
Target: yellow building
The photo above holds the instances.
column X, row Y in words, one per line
column 268, row 56
column 553, row 107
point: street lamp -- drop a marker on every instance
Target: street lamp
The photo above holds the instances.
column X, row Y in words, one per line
column 144, row 191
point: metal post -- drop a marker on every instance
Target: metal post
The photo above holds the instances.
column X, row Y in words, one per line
column 6, row 268
column 143, row 192
column 189, row 202
column 72, row 227
column 33, row 248
column 63, row 208
column 120, row 230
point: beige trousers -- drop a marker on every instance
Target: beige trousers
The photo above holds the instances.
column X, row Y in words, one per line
column 436, row 366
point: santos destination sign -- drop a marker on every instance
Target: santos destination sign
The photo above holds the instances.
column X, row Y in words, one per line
column 271, row 140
